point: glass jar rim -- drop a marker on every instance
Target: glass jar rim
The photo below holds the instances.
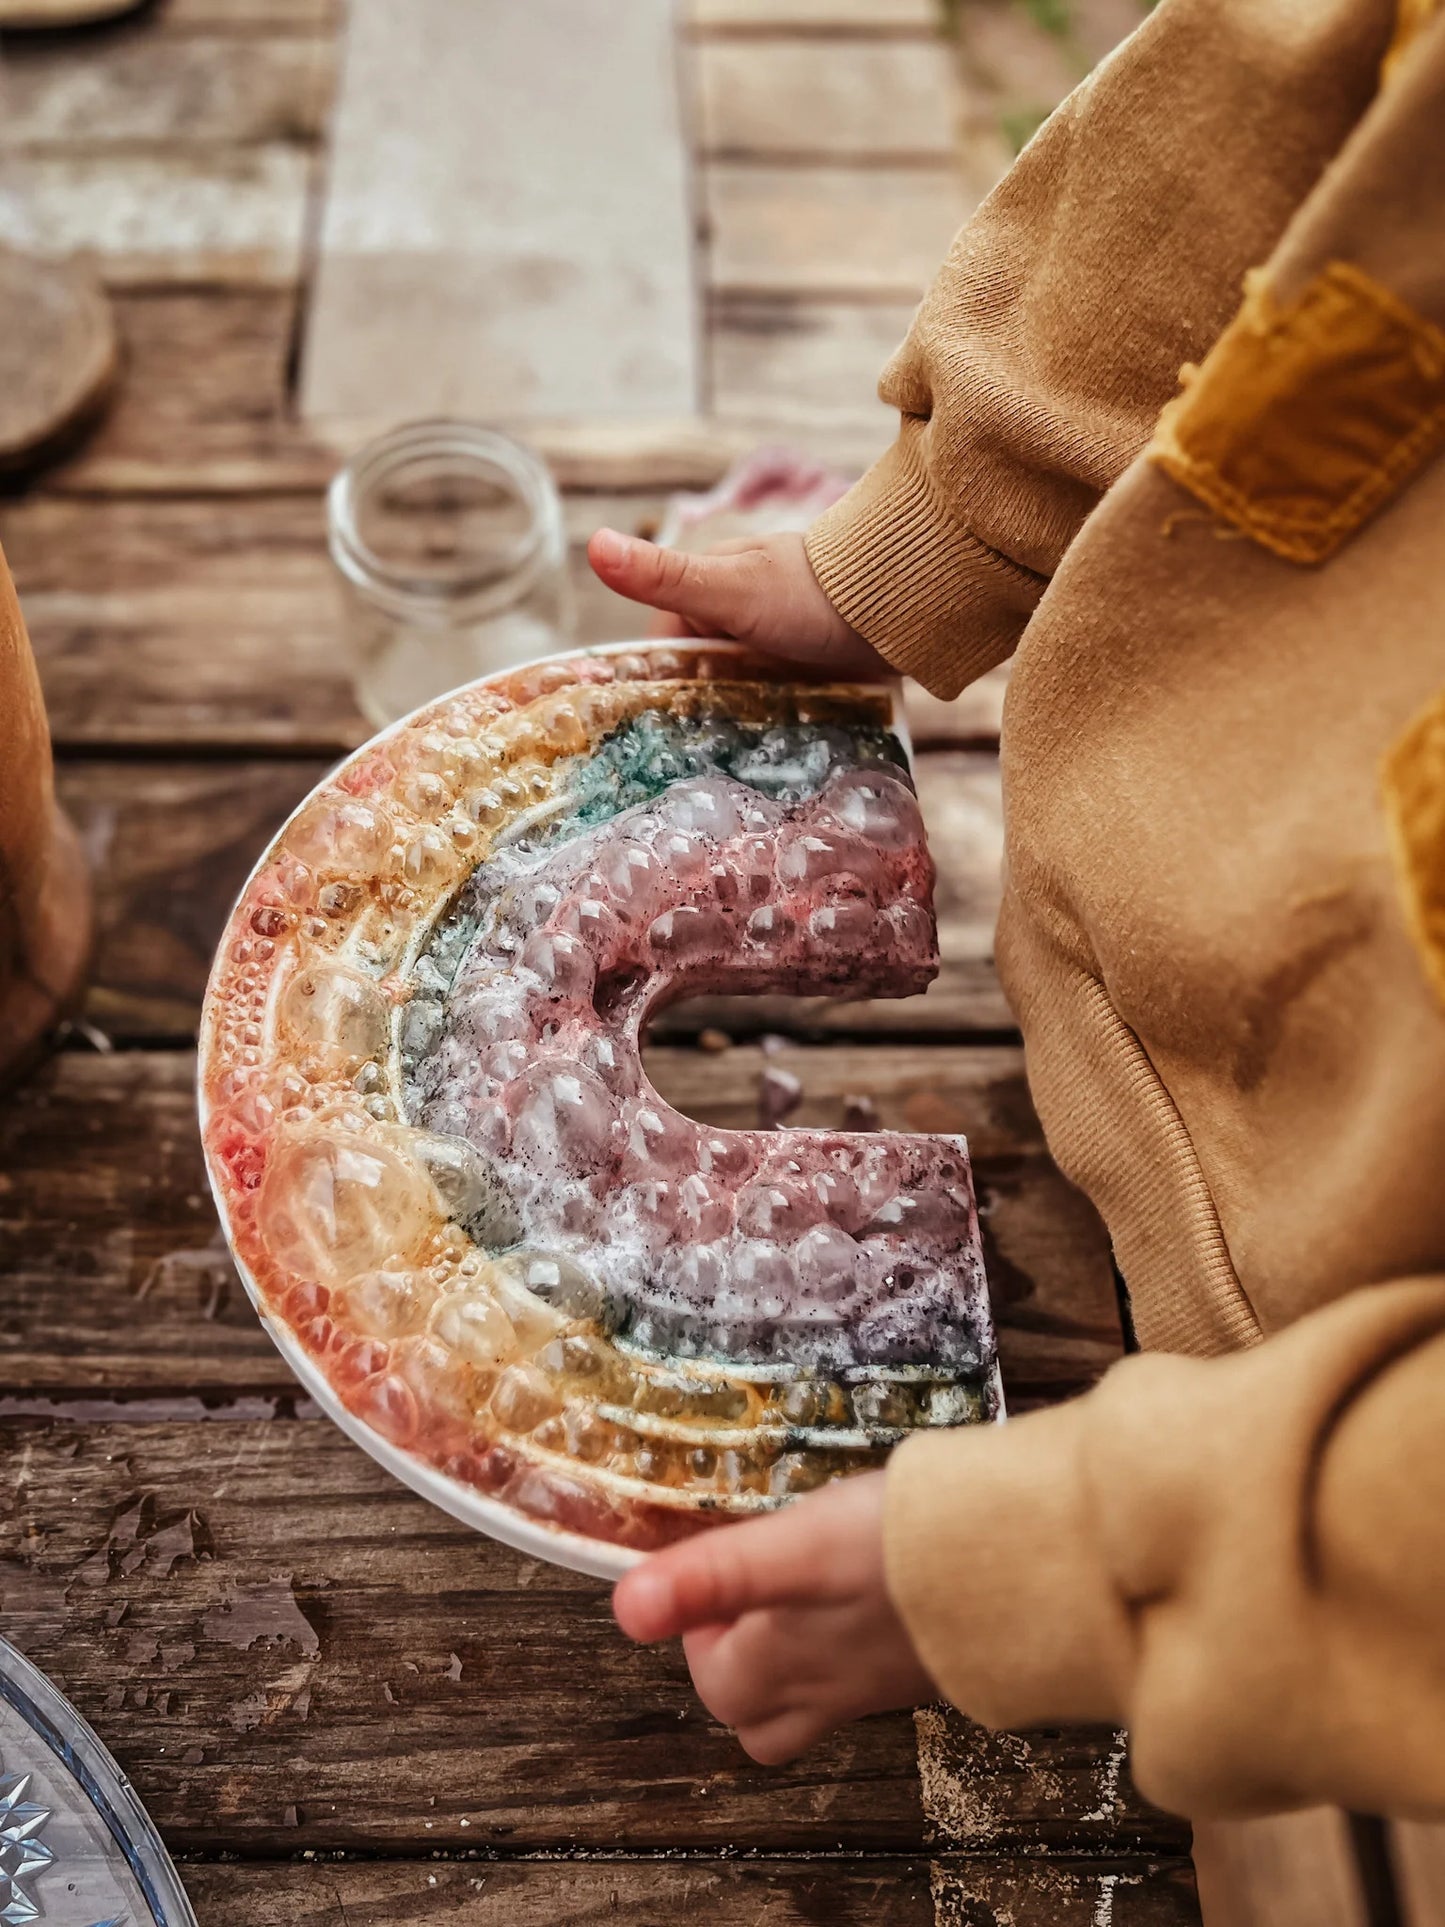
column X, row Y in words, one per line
column 400, row 590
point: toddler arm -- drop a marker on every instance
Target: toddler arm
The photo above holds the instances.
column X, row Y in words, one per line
column 1110, row 254
column 1240, row 1558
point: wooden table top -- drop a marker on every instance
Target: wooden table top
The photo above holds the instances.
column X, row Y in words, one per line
column 339, row 1705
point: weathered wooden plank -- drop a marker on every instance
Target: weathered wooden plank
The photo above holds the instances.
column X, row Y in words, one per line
column 970, row 1777
column 245, row 16
column 287, row 1651
column 172, row 842
column 134, row 89
column 117, row 1282
column 597, row 1893
column 232, row 215
column 880, row 230
column 1287, row 1870
column 783, row 365
column 729, row 1893
column 1417, row 1849
column 164, row 620
column 817, row 16
column 204, row 407
column 1138, row 1893
column 871, row 100
column 507, row 225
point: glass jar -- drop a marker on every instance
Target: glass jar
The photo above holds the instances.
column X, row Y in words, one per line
column 453, row 559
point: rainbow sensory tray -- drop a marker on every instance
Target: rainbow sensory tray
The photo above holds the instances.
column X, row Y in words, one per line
column 542, row 1295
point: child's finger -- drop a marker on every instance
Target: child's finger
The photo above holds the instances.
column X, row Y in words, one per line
column 716, row 1577
column 774, row 1742
column 713, row 592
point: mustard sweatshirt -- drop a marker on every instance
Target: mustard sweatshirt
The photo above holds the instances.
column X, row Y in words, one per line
column 1224, row 919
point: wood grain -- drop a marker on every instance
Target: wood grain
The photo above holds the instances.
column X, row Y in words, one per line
column 1136, row 1893
column 287, row 1651
column 854, row 1892
column 204, row 407
column 791, row 363
column 886, row 100
column 591, row 1893
column 118, row 1285
column 907, row 17
column 246, row 17
column 171, row 849
column 127, row 90
column 231, row 215
column 159, row 621
column 879, row 230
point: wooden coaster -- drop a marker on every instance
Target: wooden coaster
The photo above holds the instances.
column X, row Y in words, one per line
column 58, row 353
column 61, row 13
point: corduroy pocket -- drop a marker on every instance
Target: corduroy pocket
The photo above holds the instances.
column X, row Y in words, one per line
column 1307, row 418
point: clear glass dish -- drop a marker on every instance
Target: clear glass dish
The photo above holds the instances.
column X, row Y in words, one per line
column 76, row 1846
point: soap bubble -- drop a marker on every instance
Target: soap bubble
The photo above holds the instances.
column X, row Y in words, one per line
column 336, row 833
column 523, row 1398
column 912, row 929
column 808, row 855
column 333, row 1205
column 745, row 872
column 561, row 1283
column 472, row 1189
column 705, row 807
column 826, row 1261
column 681, row 855
column 691, row 930
column 838, row 1196
column 533, row 1318
column 631, row 875
column 771, row 927
column 841, row 928
column 727, row 1156
column 388, row 1405
column 932, row 1214
column 420, row 1028
column 489, row 1011
column 332, row 1010
column 780, row 1211
column 562, row 963
column 474, row 1326
column 561, row 1116
column 697, row 1272
column 504, row 1062
column 875, row 805
column 385, row 1304
column 703, row 1209
column 590, row 920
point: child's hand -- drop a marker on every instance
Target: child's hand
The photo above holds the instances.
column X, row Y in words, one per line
column 786, row 1621
column 762, row 592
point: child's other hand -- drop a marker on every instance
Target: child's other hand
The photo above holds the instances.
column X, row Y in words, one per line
column 762, row 592
column 786, row 1620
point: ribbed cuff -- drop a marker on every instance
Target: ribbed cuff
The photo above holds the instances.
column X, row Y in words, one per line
column 935, row 601
column 997, row 1567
